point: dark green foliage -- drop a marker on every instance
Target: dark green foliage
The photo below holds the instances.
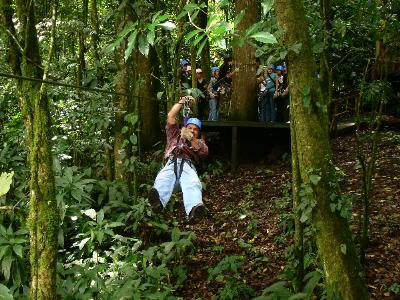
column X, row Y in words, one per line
column 227, row 272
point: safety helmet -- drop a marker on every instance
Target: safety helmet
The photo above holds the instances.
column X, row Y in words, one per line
column 280, row 68
column 214, row 69
column 184, row 62
column 271, row 67
column 194, row 121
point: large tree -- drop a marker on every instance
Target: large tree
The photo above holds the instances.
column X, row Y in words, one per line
column 243, row 101
column 310, row 124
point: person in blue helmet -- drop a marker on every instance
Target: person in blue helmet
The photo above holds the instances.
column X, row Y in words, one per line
column 184, row 151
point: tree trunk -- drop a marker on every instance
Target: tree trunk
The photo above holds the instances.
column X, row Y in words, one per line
column 82, row 48
column 205, row 53
column 148, row 106
column 243, row 100
column 298, row 225
column 43, row 219
column 108, row 170
column 122, row 105
column 333, row 238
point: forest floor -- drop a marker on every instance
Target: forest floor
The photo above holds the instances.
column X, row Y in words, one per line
column 248, row 225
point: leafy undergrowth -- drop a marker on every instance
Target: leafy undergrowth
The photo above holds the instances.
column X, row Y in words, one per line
column 240, row 247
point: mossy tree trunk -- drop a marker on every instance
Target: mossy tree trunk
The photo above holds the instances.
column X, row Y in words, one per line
column 43, row 220
column 122, row 102
column 308, row 114
column 243, row 101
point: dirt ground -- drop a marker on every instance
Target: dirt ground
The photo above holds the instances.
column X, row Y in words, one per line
column 246, row 222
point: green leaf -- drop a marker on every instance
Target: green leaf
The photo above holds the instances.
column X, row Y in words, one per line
column 120, row 37
column 304, row 217
column 159, row 95
column 313, row 278
column 124, row 129
column 157, row 18
column 296, row 48
column 315, row 179
column 18, row 249
column 192, row 33
column 194, row 15
column 264, row 37
column 239, row 17
column 220, row 29
column 211, row 22
column 175, row 234
column 168, row 25
column 343, row 248
column 5, row 182
column 143, row 45
column 168, row 247
column 100, row 236
column 198, row 39
column 133, row 139
column 77, row 194
column 6, row 266
column 132, row 118
column 298, row 296
column 83, row 243
column 266, row 6
column 131, row 44
column 151, row 36
column 4, row 251
column 100, row 216
column 5, row 293
column 201, row 47
column 253, row 28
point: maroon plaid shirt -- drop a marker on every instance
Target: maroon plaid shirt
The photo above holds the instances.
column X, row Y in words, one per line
column 182, row 147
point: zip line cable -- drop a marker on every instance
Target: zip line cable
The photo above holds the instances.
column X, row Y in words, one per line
column 68, row 85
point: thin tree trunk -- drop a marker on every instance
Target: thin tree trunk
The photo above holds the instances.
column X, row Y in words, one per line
column 298, row 225
column 325, row 78
column 333, row 237
column 43, row 219
column 205, row 53
column 108, row 170
column 122, row 103
column 243, row 101
column 82, row 47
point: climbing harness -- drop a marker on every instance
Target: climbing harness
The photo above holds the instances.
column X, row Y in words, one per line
column 174, row 160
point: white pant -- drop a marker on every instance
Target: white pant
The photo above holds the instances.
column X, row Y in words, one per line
column 189, row 183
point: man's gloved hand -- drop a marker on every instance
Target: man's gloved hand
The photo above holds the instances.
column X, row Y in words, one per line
column 186, row 134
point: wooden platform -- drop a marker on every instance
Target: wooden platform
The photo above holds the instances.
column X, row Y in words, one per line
column 217, row 126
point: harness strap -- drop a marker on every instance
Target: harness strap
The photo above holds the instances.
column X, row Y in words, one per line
column 174, row 160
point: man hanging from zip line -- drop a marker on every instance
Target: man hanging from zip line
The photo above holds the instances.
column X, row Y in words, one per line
column 183, row 152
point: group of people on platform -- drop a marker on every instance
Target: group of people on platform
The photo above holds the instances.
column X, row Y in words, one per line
column 273, row 94
column 214, row 96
